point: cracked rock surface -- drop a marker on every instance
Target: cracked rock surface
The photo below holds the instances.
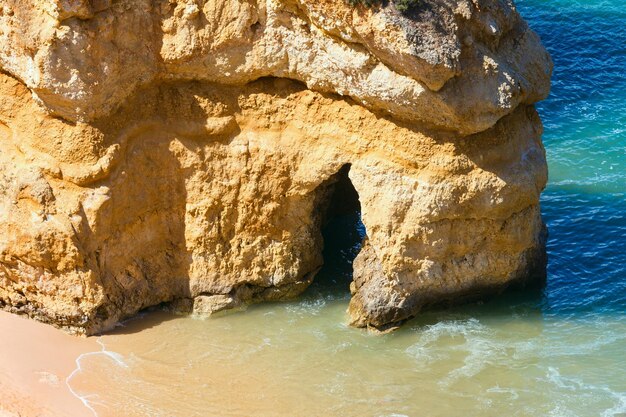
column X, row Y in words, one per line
column 185, row 151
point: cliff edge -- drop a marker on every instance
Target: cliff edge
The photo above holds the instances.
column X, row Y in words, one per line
column 187, row 151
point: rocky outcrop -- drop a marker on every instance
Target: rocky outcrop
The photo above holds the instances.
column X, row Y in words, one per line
column 186, row 151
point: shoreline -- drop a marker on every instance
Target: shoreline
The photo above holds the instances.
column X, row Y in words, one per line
column 31, row 384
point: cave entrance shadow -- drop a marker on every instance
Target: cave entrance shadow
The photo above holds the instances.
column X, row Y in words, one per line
column 343, row 233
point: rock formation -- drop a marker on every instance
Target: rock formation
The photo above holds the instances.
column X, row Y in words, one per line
column 185, row 151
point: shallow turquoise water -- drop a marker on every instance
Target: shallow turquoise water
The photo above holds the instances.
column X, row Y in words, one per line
column 585, row 116
column 557, row 351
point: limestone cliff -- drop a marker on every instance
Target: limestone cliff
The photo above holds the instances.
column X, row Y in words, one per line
column 186, row 150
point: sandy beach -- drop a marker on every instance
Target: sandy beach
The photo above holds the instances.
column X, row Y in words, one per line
column 35, row 360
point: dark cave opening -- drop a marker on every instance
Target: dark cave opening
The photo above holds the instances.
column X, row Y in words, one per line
column 343, row 233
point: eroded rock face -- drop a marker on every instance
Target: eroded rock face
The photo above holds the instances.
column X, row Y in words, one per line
column 185, row 152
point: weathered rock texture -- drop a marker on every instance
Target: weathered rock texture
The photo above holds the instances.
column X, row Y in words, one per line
column 185, row 150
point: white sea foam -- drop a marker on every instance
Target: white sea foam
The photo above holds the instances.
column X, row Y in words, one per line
column 88, row 400
column 619, row 410
column 425, row 350
column 513, row 395
column 479, row 343
column 595, row 344
column 307, row 307
column 579, row 388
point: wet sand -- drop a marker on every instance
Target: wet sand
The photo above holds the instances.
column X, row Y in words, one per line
column 35, row 361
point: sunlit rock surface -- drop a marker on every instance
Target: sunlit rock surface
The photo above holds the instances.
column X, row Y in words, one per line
column 190, row 152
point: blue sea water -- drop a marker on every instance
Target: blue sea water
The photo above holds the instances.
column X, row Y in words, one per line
column 584, row 204
column 559, row 351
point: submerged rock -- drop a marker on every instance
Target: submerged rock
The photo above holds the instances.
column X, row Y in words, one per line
column 166, row 151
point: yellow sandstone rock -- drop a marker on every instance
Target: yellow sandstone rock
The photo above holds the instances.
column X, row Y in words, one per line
column 185, row 151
